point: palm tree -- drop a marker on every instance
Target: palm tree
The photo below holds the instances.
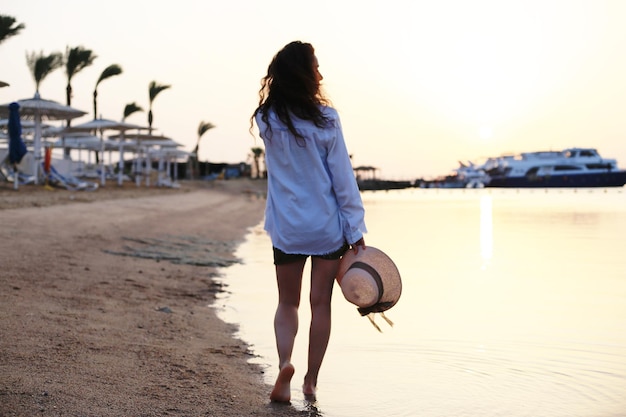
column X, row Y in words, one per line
column 153, row 91
column 257, row 152
column 76, row 59
column 203, row 127
column 41, row 65
column 108, row 72
column 7, row 29
column 130, row 109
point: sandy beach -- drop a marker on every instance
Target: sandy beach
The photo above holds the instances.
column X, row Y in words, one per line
column 105, row 302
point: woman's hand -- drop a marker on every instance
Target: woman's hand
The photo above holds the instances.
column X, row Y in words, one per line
column 357, row 244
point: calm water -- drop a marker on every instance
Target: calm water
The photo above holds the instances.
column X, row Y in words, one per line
column 513, row 304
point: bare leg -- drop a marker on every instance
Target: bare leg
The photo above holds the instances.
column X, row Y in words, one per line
column 289, row 278
column 323, row 274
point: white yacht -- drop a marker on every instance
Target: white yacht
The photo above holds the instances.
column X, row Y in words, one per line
column 572, row 167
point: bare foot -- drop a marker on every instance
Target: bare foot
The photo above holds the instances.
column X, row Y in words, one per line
column 309, row 391
column 282, row 390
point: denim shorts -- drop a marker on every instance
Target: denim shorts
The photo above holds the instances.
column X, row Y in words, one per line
column 282, row 258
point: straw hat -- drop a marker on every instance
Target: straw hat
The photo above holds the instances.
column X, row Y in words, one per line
column 370, row 280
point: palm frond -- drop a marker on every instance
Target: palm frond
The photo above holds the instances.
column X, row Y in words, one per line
column 76, row 59
column 204, row 127
column 154, row 89
column 108, row 72
column 131, row 108
column 41, row 65
column 7, row 29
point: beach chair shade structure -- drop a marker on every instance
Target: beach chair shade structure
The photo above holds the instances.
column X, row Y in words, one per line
column 81, row 141
column 26, row 124
column 144, row 142
column 102, row 125
column 39, row 109
column 143, row 137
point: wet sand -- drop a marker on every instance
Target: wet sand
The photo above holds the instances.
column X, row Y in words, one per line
column 105, row 302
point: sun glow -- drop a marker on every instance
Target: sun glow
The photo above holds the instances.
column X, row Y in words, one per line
column 485, row 132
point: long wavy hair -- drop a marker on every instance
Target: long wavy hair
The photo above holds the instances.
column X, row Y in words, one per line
column 291, row 88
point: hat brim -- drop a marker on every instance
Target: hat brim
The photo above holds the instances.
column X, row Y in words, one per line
column 386, row 269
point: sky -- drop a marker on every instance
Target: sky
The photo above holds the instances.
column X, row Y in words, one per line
column 419, row 84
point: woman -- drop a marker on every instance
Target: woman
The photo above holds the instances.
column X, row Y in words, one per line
column 314, row 207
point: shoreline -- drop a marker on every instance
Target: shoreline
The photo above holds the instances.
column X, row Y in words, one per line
column 107, row 302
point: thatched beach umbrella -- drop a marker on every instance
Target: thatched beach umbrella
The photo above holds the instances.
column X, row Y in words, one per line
column 102, row 125
column 144, row 142
column 39, row 109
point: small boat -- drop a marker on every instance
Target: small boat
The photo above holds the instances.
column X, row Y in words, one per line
column 572, row 167
column 467, row 175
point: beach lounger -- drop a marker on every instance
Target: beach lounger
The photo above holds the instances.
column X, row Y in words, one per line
column 10, row 174
column 55, row 178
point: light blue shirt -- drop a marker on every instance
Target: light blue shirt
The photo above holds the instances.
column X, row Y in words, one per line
column 313, row 201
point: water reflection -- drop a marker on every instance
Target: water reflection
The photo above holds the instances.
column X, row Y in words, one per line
column 540, row 333
column 486, row 229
